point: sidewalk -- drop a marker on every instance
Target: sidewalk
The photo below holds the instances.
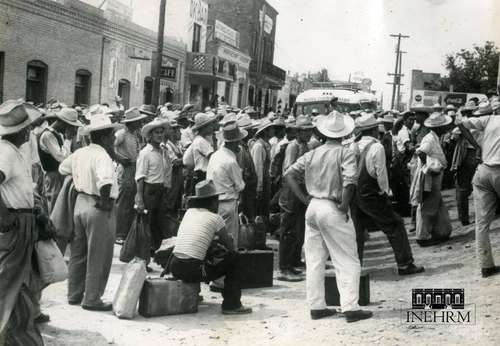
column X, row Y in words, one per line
column 281, row 315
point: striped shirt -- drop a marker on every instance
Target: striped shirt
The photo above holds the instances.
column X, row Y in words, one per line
column 196, row 232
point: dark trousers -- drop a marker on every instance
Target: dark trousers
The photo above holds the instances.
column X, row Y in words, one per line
column 292, row 237
column 463, row 183
column 153, row 198
column 377, row 210
column 125, row 202
column 193, row 270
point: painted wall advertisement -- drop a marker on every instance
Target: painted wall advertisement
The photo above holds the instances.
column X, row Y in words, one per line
column 234, row 56
column 226, row 34
column 427, row 98
column 268, row 22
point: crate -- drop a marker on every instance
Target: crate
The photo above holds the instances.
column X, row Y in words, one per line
column 256, row 268
column 332, row 295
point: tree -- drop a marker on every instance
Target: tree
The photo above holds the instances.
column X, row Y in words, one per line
column 475, row 70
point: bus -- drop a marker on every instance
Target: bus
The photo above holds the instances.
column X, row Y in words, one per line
column 348, row 100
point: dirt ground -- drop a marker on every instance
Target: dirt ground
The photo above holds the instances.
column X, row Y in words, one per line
column 281, row 315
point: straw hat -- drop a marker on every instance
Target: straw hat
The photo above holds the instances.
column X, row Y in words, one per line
column 232, row 133
column 303, row 122
column 244, row 121
column 16, row 115
column 157, row 122
column 133, row 114
column 366, row 121
column 279, row 122
column 147, row 109
column 205, row 189
column 69, row 116
column 388, row 118
column 437, row 119
column 483, row 109
column 290, row 121
column 228, row 118
column 201, row 120
column 335, row 125
column 100, row 122
column 264, row 124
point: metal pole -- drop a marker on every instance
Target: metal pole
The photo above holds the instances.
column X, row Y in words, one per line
column 159, row 54
column 260, row 56
column 398, row 95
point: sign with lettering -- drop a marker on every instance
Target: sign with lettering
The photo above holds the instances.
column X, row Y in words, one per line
column 199, row 11
column 234, row 56
column 268, row 22
column 427, row 98
column 168, row 72
column 226, row 34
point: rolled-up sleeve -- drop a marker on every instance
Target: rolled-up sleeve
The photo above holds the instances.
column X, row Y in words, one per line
column 381, row 168
column 141, row 166
column 104, row 171
column 349, row 167
column 65, row 168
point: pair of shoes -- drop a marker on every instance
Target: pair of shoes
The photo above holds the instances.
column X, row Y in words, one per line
column 241, row 310
column 75, row 302
column 218, row 289
column 428, row 242
column 296, row 271
column 485, row 272
column 42, row 318
column 317, row 314
column 287, row 275
column 411, row 269
column 99, row 307
column 357, row 315
column 119, row 241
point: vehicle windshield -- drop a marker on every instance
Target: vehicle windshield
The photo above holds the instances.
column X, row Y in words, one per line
column 324, row 108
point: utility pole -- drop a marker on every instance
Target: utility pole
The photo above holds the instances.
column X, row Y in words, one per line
column 396, row 84
column 159, row 54
column 260, row 55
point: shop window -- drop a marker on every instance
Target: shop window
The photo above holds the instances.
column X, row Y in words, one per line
column 82, row 87
column 240, row 94
column 2, row 66
column 148, row 90
column 36, row 82
column 196, row 38
column 124, row 92
column 251, row 95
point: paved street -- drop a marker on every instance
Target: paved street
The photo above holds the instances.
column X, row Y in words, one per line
column 281, row 316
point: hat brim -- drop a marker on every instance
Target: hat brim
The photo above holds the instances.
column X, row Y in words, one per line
column 448, row 121
column 304, row 127
column 141, row 117
column 8, row 130
column 368, row 127
column 72, row 123
column 102, row 127
column 243, row 134
column 165, row 123
column 264, row 128
column 386, row 121
column 347, row 130
column 203, row 124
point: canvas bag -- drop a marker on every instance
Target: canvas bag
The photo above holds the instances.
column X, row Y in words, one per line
column 51, row 264
column 129, row 290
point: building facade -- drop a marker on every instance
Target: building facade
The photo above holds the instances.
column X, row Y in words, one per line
column 79, row 54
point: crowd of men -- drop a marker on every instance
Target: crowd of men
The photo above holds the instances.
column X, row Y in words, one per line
column 318, row 182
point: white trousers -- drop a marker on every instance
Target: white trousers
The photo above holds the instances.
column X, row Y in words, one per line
column 328, row 233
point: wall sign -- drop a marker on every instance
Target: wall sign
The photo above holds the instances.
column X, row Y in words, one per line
column 234, row 56
column 226, row 34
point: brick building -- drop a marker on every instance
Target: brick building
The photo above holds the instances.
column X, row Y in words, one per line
column 80, row 54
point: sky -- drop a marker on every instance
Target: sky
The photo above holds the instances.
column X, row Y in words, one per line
column 353, row 36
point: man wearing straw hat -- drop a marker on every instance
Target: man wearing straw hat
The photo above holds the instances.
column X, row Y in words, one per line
column 18, row 235
column 94, row 216
column 372, row 205
column 153, row 176
column 127, row 145
column 52, row 151
column 223, row 169
column 329, row 173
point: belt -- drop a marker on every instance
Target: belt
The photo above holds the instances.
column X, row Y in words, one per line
column 90, row 195
column 21, row 210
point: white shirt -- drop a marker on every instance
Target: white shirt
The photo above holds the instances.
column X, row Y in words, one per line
column 431, row 146
column 187, row 137
column 401, row 138
column 17, row 188
column 50, row 145
column 260, row 154
column 201, row 149
column 224, row 171
column 154, row 166
column 490, row 146
column 91, row 168
column 196, row 231
column 375, row 161
column 276, row 147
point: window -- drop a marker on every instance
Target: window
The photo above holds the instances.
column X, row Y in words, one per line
column 82, row 87
column 419, row 299
column 457, row 298
column 2, row 66
column 240, row 94
column 428, row 299
column 437, row 299
column 124, row 92
column 148, row 90
column 196, row 38
column 251, row 95
column 36, row 82
column 448, row 299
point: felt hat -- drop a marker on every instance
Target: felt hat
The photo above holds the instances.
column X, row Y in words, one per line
column 437, row 119
column 202, row 120
column 335, row 125
column 366, row 121
column 16, row 115
column 303, row 122
column 204, row 189
column 69, row 116
column 147, row 109
column 133, row 114
column 157, row 122
column 483, row 109
column 232, row 133
column 100, row 122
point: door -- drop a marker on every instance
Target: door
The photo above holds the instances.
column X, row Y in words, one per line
column 124, row 92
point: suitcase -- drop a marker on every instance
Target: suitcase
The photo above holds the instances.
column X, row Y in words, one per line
column 161, row 297
column 332, row 295
column 256, row 268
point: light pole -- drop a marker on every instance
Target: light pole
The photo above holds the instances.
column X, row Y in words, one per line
column 159, row 55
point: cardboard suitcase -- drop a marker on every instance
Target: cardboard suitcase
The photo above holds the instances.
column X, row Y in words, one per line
column 332, row 295
column 256, row 268
column 161, row 297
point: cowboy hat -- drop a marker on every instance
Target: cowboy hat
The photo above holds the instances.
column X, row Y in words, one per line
column 16, row 115
column 244, row 121
column 157, row 122
column 366, row 121
column 303, row 122
column 335, row 125
column 147, row 109
column 264, row 124
column 69, row 116
column 205, row 189
column 100, row 122
column 202, row 120
column 232, row 133
column 133, row 114
column 437, row 119
column 483, row 109
column 228, row 118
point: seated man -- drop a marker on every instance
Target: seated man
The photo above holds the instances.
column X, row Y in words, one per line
column 200, row 253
